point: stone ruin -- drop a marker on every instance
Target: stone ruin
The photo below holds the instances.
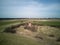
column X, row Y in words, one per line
column 11, row 29
column 31, row 27
column 28, row 26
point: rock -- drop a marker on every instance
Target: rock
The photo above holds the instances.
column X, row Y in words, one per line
column 31, row 27
column 10, row 30
column 58, row 40
column 51, row 36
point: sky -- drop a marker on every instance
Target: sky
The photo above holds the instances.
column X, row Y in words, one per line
column 29, row 8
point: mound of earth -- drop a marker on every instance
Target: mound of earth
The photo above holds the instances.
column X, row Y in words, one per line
column 43, row 34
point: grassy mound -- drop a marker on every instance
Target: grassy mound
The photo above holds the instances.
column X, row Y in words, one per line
column 13, row 39
column 47, row 35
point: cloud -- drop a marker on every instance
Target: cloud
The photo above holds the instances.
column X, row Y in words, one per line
column 40, row 10
column 29, row 8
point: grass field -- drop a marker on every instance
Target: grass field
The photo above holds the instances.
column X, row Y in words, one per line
column 48, row 23
column 14, row 39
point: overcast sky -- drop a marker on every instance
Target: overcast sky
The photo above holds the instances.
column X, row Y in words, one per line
column 29, row 8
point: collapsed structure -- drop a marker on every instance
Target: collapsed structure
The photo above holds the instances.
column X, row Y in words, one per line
column 31, row 27
column 28, row 26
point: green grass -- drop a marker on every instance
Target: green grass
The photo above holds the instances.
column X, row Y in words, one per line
column 8, row 22
column 48, row 23
column 4, row 24
column 14, row 39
